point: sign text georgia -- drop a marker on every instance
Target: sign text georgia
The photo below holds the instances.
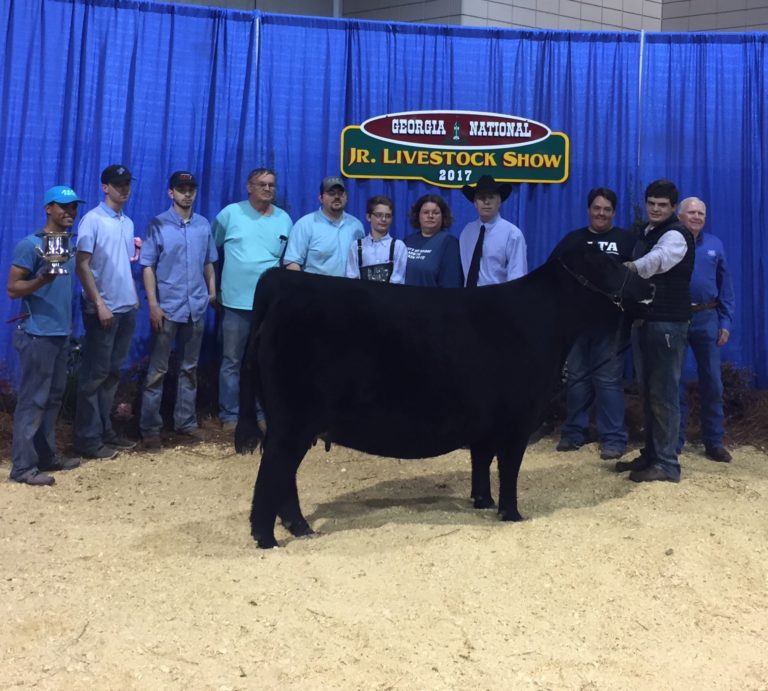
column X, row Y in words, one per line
column 452, row 148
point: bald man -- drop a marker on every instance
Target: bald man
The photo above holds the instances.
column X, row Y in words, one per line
column 712, row 303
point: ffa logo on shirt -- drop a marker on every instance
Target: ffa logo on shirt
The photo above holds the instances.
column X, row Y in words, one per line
column 711, row 253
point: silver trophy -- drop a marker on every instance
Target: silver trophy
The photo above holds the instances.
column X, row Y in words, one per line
column 55, row 252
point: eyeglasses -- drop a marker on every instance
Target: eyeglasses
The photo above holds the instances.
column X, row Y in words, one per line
column 335, row 193
column 381, row 216
column 264, row 185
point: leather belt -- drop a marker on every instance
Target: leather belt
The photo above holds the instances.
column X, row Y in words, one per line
column 704, row 306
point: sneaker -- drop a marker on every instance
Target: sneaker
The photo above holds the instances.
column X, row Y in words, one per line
column 229, row 426
column 118, row 442
column 567, row 445
column 59, row 463
column 611, row 454
column 718, row 453
column 152, row 443
column 37, row 479
column 103, row 453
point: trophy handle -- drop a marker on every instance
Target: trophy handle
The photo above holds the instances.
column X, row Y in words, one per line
column 137, row 249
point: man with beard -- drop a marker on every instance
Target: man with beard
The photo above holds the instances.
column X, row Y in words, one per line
column 42, row 341
column 177, row 255
column 320, row 240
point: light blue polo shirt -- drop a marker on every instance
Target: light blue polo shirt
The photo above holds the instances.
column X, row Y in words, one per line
column 250, row 244
column 49, row 307
column 108, row 237
column 320, row 245
column 178, row 250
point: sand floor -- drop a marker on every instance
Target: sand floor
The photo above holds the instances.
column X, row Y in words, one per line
column 140, row 573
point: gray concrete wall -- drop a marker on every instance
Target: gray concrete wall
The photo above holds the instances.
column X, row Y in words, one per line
column 715, row 15
column 609, row 15
column 584, row 15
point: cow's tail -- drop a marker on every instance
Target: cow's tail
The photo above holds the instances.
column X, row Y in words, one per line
column 251, row 431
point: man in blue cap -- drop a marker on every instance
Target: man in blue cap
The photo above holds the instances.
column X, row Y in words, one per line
column 42, row 342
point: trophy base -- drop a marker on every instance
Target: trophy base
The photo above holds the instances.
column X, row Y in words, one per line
column 56, row 271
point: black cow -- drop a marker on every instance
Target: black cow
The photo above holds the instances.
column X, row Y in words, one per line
column 412, row 372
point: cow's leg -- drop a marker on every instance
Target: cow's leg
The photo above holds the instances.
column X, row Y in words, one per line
column 482, row 457
column 510, row 459
column 275, row 491
column 290, row 510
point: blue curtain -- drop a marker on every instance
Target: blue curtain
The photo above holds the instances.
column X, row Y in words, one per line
column 705, row 125
column 158, row 87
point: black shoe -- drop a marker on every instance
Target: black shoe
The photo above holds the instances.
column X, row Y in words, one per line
column 59, row 463
column 36, row 479
column 611, row 454
column 152, row 443
column 567, row 445
column 120, row 443
column 718, row 453
column 651, row 474
column 192, row 433
column 639, row 463
column 103, row 453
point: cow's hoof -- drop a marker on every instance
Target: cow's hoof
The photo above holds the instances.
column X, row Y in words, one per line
column 510, row 516
column 266, row 542
column 299, row 528
column 484, row 503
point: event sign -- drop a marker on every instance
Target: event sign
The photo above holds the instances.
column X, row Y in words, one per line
column 452, row 148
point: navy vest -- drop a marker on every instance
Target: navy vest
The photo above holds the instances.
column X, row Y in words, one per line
column 672, row 302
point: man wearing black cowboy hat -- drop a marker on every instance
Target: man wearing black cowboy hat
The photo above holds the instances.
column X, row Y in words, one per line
column 492, row 249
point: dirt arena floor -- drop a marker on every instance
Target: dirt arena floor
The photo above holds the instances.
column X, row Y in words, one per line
column 140, row 573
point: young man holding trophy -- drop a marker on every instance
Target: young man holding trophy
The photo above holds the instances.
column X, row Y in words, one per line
column 41, row 276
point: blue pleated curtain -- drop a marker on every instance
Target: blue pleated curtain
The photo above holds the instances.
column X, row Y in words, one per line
column 85, row 83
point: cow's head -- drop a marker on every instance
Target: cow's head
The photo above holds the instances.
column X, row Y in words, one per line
column 606, row 275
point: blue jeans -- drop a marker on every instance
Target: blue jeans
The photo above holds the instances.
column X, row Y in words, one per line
column 104, row 350
column 596, row 376
column 702, row 338
column 661, row 348
column 235, row 327
column 43, row 378
column 190, row 336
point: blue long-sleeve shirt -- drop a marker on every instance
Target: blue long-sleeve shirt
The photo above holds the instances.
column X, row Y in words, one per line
column 711, row 279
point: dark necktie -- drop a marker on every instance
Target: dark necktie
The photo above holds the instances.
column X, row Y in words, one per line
column 474, row 265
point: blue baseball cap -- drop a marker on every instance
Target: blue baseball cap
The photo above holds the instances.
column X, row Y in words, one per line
column 61, row 194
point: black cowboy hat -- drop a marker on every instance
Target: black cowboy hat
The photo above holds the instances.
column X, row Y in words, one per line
column 487, row 184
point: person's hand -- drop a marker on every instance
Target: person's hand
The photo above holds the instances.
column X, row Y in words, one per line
column 105, row 316
column 45, row 278
column 156, row 317
column 722, row 337
column 631, row 266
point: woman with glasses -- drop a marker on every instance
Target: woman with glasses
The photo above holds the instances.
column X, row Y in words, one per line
column 433, row 253
column 378, row 256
